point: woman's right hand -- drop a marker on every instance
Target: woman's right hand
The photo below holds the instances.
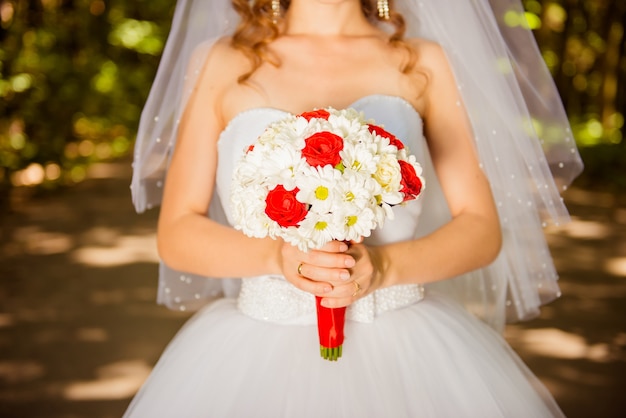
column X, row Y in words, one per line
column 317, row 271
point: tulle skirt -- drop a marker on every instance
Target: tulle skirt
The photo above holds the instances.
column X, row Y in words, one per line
column 430, row 359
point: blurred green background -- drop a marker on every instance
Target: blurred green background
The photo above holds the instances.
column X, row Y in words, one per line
column 74, row 75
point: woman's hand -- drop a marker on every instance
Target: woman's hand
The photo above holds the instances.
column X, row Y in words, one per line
column 338, row 272
column 318, row 271
column 365, row 277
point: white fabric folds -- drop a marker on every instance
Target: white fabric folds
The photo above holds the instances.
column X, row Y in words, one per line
column 428, row 360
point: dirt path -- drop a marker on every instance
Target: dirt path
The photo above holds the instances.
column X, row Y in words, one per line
column 79, row 329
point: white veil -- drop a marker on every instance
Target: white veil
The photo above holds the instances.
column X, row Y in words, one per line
column 521, row 134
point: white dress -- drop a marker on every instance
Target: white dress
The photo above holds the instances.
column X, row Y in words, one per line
column 408, row 352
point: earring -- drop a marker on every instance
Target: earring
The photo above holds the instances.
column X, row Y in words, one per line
column 383, row 9
column 275, row 11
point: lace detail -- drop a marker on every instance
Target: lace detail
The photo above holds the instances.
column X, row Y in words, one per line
column 273, row 299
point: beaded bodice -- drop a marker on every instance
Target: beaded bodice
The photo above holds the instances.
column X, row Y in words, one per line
column 272, row 298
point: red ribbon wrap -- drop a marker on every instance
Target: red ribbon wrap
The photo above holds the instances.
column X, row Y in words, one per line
column 330, row 323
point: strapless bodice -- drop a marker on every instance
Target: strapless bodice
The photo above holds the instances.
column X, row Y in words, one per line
column 272, row 298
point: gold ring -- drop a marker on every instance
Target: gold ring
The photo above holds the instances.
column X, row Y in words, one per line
column 357, row 288
column 300, row 268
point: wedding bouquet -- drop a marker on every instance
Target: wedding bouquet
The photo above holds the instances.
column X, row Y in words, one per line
column 320, row 176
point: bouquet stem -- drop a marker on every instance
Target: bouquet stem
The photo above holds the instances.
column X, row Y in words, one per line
column 330, row 323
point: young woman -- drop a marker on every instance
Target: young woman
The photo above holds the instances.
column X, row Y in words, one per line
column 458, row 104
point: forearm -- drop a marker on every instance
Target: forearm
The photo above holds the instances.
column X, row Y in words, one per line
column 466, row 243
column 196, row 244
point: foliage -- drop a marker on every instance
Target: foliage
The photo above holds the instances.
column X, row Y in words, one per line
column 75, row 73
column 73, row 77
column 582, row 42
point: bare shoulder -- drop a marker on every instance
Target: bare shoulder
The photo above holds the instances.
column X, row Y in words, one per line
column 429, row 71
column 430, row 55
column 219, row 67
column 432, row 61
column 223, row 62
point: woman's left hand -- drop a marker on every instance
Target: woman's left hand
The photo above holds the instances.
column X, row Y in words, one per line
column 365, row 277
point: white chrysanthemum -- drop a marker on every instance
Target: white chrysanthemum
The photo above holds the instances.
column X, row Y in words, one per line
column 392, row 198
column 348, row 125
column 352, row 115
column 381, row 209
column 318, row 188
column 355, row 222
column 276, row 132
column 252, row 153
column 318, row 229
column 280, row 167
column 382, row 212
column 248, row 211
column 403, row 154
column 363, row 138
column 244, row 174
column 292, row 236
column 313, row 126
column 383, row 144
column 357, row 189
column 360, row 157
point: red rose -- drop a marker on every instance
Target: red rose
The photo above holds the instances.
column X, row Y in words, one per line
column 375, row 129
column 281, row 206
column 411, row 183
column 321, row 114
column 322, row 148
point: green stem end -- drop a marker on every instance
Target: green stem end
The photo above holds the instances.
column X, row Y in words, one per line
column 331, row 354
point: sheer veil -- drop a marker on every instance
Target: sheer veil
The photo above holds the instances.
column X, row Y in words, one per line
column 520, row 128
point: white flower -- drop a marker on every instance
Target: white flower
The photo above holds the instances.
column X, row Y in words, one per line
column 318, row 229
column 383, row 212
column 348, row 124
column 388, row 175
column 318, row 188
column 403, row 154
column 357, row 189
column 360, row 157
column 355, row 222
column 280, row 167
column 248, row 208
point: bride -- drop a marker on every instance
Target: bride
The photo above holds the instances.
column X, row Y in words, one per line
column 469, row 97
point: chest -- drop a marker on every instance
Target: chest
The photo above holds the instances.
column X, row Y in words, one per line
column 308, row 76
column 327, row 78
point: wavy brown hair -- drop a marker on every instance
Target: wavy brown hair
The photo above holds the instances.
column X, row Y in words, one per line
column 257, row 30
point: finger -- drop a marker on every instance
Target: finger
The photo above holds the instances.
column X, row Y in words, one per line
column 357, row 241
column 334, row 276
column 335, row 247
column 311, row 286
column 329, row 302
column 329, row 259
column 346, row 293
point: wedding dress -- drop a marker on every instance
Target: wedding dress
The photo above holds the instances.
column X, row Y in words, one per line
column 408, row 351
